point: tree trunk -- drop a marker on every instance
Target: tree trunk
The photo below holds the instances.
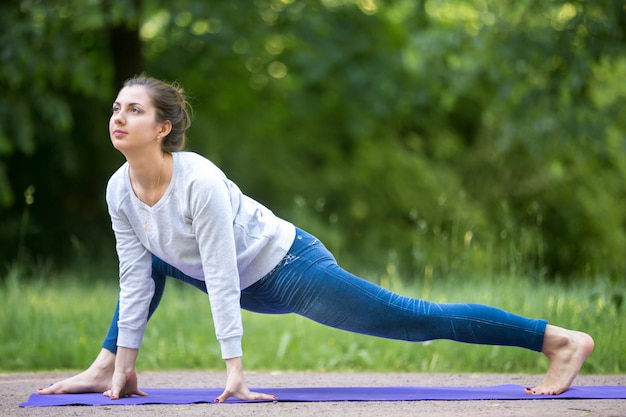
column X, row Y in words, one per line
column 125, row 44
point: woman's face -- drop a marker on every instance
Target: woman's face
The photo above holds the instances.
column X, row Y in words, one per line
column 133, row 124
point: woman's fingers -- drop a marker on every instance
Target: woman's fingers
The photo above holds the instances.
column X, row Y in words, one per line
column 257, row 396
column 247, row 396
column 124, row 384
column 116, row 395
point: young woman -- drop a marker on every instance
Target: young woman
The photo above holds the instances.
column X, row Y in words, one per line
column 176, row 214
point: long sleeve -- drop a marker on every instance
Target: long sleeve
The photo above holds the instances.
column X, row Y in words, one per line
column 212, row 213
column 136, row 284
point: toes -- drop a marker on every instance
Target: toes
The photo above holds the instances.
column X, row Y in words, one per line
column 536, row 391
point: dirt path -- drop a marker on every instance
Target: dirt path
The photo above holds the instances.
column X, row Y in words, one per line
column 15, row 388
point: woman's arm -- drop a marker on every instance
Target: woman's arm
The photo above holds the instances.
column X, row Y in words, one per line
column 135, row 263
column 136, row 287
column 212, row 210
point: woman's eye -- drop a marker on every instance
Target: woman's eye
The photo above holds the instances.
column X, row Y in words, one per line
column 135, row 110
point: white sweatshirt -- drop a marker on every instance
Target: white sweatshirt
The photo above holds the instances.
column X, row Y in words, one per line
column 205, row 227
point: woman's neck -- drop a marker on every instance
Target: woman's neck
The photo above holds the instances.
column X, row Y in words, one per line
column 150, row 176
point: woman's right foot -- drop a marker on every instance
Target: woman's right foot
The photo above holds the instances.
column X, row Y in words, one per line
column 97, row 378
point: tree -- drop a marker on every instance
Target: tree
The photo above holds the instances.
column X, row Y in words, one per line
column 439, row 136
column 59, row 77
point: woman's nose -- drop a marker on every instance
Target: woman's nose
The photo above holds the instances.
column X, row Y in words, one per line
column 118, row 119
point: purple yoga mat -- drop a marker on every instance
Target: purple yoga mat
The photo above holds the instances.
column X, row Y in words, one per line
column 190, row 395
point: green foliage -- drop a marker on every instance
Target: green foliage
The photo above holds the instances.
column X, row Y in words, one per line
column 61, row 325
column 53, row 81
column 429, row 137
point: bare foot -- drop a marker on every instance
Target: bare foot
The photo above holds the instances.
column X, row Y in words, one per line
column 566, row 350
column 97, row 378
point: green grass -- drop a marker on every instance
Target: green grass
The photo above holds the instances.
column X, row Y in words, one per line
column 58, row 322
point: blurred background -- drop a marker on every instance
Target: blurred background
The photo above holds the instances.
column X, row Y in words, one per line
column 417, row 138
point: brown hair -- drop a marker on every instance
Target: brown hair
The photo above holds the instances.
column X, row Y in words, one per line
column 171, row 104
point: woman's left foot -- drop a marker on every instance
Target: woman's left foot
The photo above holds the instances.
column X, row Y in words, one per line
column 566, row 350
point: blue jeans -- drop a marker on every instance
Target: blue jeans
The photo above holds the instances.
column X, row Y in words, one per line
column 309, row 282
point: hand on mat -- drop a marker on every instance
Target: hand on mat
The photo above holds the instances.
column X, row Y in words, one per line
column 124, row 381
column 236, row 385
column 124, row 385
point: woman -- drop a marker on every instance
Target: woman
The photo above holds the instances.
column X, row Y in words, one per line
column 175, row 214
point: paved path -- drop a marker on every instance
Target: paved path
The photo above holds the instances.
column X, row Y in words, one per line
column 16, row 387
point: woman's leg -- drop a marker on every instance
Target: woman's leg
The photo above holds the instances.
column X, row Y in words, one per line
column 160, row 270
column 310, row 283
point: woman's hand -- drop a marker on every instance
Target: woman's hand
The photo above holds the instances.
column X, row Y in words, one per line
column 124, row 382
column 124, row 385
column 236, row 385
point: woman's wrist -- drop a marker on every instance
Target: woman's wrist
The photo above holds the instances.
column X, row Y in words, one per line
column 234, row 366
column 125, row 359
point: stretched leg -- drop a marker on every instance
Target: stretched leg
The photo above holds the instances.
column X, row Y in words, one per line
column 310, row 283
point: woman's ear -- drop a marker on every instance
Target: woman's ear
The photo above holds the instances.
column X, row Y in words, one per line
column 166, row 128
